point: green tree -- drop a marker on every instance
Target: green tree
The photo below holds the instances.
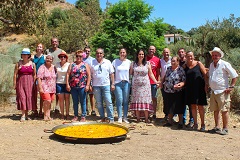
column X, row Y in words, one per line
column 127, row 26
column 23, row 15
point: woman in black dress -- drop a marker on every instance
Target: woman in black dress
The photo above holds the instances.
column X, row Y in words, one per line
column 195, row 88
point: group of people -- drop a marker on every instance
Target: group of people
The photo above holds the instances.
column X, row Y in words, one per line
column 183, row 81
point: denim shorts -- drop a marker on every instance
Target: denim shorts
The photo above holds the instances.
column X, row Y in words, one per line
column 154, row 90
column 61, row 88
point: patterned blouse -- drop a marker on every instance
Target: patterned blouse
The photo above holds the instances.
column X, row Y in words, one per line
column 48, row 79
column 78, row 75
column 173, row 77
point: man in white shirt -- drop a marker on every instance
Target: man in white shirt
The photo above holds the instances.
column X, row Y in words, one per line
column 165, row 62
column 219, row 73
column 102, row 73
column 89, row 60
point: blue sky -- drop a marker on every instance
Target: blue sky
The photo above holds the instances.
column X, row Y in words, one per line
column 187, row 14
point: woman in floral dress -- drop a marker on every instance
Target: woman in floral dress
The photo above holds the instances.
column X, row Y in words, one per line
column 78, row 82
column 141, row 100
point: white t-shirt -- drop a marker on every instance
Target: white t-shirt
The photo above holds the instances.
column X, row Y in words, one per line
column 100, row 72
column 89, row 60
column 164, row 66
column 61, row 72
column 121, row 70
column 218, row 77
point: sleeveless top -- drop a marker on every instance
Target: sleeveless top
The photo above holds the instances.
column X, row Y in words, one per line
column 78, row 75
column 38, row 61
column 25, row 70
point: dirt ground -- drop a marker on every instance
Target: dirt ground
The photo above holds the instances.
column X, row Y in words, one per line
column 27, row 140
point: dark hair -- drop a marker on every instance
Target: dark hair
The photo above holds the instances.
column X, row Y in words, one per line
column 180, row 49
column 87, row 47
column 178, row 59
column 144, row 62
column 122, row 48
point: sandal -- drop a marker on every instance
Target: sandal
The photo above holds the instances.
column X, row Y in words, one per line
column 22, row 119
column 75, row 118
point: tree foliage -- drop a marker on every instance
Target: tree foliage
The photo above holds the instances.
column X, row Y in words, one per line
column 23, row 15
column 127, row 26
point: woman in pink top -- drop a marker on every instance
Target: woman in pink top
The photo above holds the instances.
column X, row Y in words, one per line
column 47, row 85
column 23, row 82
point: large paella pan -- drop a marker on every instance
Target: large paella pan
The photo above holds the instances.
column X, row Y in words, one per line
column 90, row 132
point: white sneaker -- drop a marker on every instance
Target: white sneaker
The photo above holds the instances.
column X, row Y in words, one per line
column 119, row 120
column 125, row 120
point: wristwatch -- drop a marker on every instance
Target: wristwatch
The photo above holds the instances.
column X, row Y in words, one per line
column 231, row 87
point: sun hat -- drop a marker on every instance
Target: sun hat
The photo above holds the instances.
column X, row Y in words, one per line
column 63, row 53
column 216, row 49
column 26, row 51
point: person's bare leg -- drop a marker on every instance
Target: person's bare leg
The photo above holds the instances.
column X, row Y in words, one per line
column 217, row 118
column 202, row 115
column 138, row 116
column 61, row 104
column 225, row 118
column 146, row 116
column 92, row 102
column 194, row 114
column 67, row 104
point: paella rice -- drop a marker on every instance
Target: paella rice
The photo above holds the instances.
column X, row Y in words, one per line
column 91, row 131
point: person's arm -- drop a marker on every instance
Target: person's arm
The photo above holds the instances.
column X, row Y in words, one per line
column 68, row 88
column 15, row 76
column 34, row 72
column 151, row 75
column 113, row 82
column 88, row 77
column 204, row 73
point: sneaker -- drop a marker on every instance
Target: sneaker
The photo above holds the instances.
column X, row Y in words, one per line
column 22, row 119
column 93, row 113
column 125, row 120
column 119, row 120
column 215, row 130
column 111, row 121
column 83, row 119
column 202, row 129
column 224, row 132
column 190, row 125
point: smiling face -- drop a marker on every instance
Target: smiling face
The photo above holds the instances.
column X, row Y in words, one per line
column 216, row 57
column 174, row 62
column 87, row 51
column 79, row 56
column 25, row 56
column 151, row 51
column 140, row 55
column 122, row 54
column 190, row 57
column 166, row 53
column 181, row 53
column 99, row 54
column 54, row 42
column 39, row 48
column 49, row 59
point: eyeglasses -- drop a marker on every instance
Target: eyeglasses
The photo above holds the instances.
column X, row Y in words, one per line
column 62, row 57
column 99, row 69
column 78, row 56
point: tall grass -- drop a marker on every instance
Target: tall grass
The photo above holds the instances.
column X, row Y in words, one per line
column 7, row 63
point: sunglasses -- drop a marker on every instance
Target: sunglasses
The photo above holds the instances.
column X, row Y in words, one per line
column 62, row 57
column 99, row 53
column 99, row 69
column 78, row 56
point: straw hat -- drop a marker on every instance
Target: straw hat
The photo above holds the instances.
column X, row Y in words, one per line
column 26, row 51
column 63, row 53
column 216, row 49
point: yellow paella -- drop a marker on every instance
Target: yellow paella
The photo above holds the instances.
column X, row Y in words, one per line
column 92, row 131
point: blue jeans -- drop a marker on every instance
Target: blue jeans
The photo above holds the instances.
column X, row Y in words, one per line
column 102, row 93
column 121, row 92
column 79, row 94
column 185, row 115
